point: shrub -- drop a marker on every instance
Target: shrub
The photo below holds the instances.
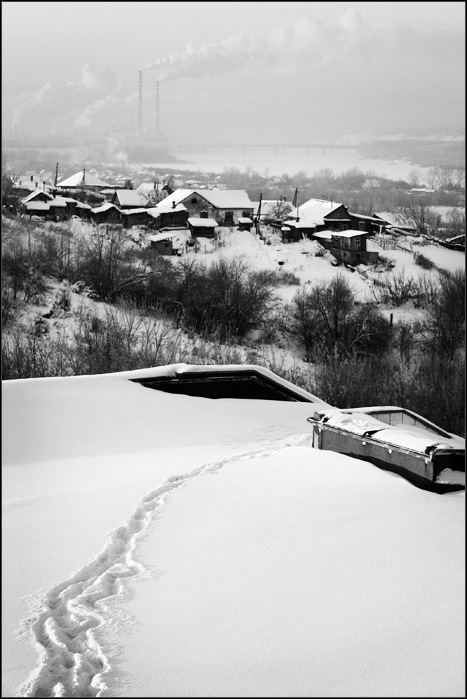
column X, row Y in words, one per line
column 423, row 261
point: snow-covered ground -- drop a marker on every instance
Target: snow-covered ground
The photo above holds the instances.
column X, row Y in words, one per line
column 166, row 545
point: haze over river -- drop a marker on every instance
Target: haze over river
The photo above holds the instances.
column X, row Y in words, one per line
column 277, row 160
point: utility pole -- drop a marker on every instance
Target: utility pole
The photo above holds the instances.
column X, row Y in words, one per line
column 258, row 215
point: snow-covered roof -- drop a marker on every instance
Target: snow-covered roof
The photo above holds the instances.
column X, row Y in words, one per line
column 161, row 236
column 58, row 201
column 34, row 194
column 218, row 198
column 311, row 213
column 350, row 233
column 81, row 179
column 396, row 218
column 202, row 222
column 213, row 531
column 38, row 206
column 324, row 235
column 415, row 433
column 244, row 219
column 164, row 207
column 130, row 197
column 105, row 207
column 130, row 212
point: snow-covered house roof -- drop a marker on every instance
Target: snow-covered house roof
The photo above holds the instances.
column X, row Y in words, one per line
column 58, row 201
column 130, row 198
column 219, row 199
column 165, row 208
column 397, row 219
column 198, row 222
column 131, row 212
column 81, row 179
column 162, row 236
column 38, row 206
column 350, row 233
column 105, row 207
column 311, row 213
column 33, row 182
column 35, row 194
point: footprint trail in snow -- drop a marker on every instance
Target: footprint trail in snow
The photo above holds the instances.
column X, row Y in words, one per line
column 72, row 663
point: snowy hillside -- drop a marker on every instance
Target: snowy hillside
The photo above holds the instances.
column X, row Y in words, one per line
column 167, row 545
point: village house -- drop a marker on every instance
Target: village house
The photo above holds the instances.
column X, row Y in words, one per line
column 165, row 215
column 43, row 204
column 317, row 215
column 26, row 184
column 83, row 180
column 313, row 216
column 396, row 222
column 107, row 213
column 136, row 217
column 129, row 199
column 350, row 247
column 224, row 206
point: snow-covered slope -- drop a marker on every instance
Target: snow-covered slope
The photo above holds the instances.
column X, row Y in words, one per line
column 167, row 545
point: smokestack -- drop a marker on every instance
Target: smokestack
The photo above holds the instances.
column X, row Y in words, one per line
column 157, row 111
column 140, row 103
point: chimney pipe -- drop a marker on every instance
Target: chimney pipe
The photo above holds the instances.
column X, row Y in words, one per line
column 157, row 111
column 140, row 103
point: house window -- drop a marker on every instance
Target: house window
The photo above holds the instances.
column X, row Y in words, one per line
column 361, row 225
column 357, row 242
column 194, row 200
column 229, row 219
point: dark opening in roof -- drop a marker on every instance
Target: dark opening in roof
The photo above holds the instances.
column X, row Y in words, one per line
column 233, row 384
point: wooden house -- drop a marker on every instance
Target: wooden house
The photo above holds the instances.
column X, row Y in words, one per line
column 83, row 180
column 313, row 216
column 168, row 215
column 224, row 206
column 136, row 217
column 202, row 227
column 129, row 199
column 59, row 209
column 350, row 247
column 107, row 213
column 26, row 184
column 368, row 224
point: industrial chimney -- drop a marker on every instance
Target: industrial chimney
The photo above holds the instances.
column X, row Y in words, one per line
column 157, row 111
column 140, row 103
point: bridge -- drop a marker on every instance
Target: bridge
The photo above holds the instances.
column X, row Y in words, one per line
column 271, row 147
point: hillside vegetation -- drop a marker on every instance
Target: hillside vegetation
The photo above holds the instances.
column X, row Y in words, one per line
column 93, row 300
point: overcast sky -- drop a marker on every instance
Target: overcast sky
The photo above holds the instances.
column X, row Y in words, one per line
column 256, row 71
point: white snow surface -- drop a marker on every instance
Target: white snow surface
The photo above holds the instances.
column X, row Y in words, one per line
column 167, row 545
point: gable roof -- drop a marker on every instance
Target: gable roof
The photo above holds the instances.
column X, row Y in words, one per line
column 130, row 197
column 34, row 194
column 81, row 179
column 312, row 213
column 396, row 218
column 218, row 198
